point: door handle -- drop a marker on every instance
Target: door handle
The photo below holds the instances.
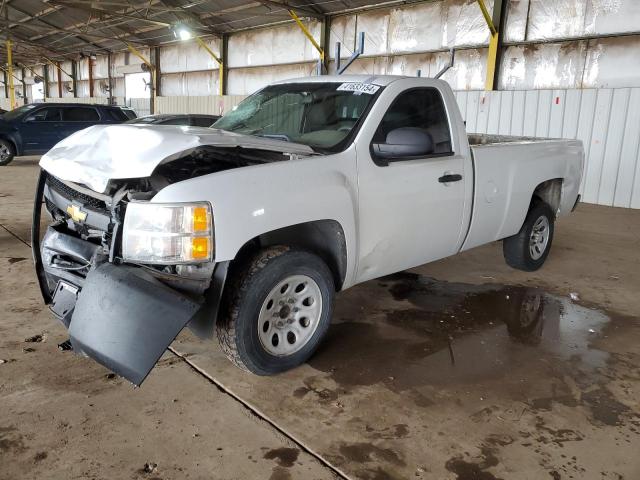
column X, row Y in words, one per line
column 450, row 177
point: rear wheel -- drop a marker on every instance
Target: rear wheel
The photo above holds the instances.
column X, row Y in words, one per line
column 528, row 249
column 7, row 152
column 277, row 309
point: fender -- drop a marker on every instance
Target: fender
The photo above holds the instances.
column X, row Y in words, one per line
column 252, row 201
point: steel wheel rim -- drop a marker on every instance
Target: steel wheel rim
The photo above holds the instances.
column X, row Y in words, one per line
column 290, row 315
column 539, row 238
column 4, row 152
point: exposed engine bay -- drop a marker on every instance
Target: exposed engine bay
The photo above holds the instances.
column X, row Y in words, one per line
column 87, row 226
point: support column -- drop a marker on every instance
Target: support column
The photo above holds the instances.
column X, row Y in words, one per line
column 152, row 71
column 156, row 62
column 59, row 69
column 110, row 77
column 6, row 84
column 12, row 90
column 24, row 89
column 493, row 20
column 74, row 78
column 45, row 81
column 224, row 78
column 90, row 76
column 325, row 42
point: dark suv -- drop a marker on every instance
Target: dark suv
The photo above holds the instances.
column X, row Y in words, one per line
column 35, row 128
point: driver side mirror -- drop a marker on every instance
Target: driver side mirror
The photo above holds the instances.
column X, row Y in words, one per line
column 404, row 142
column 30, row 118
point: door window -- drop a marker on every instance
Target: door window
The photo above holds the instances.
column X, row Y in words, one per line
column 80, row 114
column 49, row 114
column 421, row 109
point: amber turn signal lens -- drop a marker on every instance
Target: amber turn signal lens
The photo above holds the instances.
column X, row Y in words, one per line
column 200, row 219
column 200, row 247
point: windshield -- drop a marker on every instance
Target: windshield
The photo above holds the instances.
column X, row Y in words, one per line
column 15, row 113
column 320, row 115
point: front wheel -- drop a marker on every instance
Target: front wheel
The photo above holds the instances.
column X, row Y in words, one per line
column 276, row 311
column 528, row 249
column 7, row 152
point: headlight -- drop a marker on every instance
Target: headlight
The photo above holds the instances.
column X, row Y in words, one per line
column 168, row 233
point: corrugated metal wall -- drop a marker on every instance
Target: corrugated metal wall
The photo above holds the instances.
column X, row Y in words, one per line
column 606, row 120
column 214, row 104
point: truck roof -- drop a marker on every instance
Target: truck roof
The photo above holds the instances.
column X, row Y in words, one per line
column 382, row 80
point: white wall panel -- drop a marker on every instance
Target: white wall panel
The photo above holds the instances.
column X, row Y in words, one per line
column 606, row 120
column 273, row 46
column 213, row 104
column 189, row 56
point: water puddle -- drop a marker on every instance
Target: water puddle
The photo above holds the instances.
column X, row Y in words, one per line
column 412, row 330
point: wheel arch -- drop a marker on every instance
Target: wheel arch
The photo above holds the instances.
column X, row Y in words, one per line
column 325, row 238
column 550, row 192
column 8, row 138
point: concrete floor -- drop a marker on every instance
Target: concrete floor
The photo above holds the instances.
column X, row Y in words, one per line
column 462, row 369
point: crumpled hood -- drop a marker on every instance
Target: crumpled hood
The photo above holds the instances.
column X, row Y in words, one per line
column 97, row 154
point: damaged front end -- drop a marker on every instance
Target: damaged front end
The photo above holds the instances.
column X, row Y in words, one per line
column 121, row 312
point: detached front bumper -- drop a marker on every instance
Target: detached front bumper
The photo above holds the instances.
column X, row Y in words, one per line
column 122, row 316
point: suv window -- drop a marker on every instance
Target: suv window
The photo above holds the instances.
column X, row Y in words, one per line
column 80, row 114
column 49, row 114
column 174, row 121
column 131, row 114
column 421, row 108
column 202, row 121
column 116, row 114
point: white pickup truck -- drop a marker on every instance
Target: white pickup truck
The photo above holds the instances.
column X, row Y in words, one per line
column 249, row 228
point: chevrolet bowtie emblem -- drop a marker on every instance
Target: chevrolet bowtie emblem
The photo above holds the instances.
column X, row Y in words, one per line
column 76, row 213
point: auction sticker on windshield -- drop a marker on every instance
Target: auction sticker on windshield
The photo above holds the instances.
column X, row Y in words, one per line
column 358, row 88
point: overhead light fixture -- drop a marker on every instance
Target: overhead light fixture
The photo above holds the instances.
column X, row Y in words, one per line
column 181, row 32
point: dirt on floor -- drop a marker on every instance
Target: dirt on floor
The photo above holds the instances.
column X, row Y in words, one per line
column 461, row 369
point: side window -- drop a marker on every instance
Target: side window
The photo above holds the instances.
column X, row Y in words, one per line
column 202, row 121
column 116, row 114
column 175, row 121
column 50, row 114
column 416, row 115
column 80, row 114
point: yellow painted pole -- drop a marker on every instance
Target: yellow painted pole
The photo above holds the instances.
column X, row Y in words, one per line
column 152, row 71
column 307, row 34
column 217, row 59
column 492, row 56
column 12, row 90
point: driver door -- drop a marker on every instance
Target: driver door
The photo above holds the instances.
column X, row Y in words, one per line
column 411, row 207
column 40, row 130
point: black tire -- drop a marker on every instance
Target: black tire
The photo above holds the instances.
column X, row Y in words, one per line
column 516, row 248
column 6, row 158
column 246, row 292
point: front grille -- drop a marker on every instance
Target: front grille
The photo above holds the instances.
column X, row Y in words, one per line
column 87, row 201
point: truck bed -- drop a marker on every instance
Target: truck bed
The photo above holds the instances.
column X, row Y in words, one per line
column 507, row 170
column 486, row 139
